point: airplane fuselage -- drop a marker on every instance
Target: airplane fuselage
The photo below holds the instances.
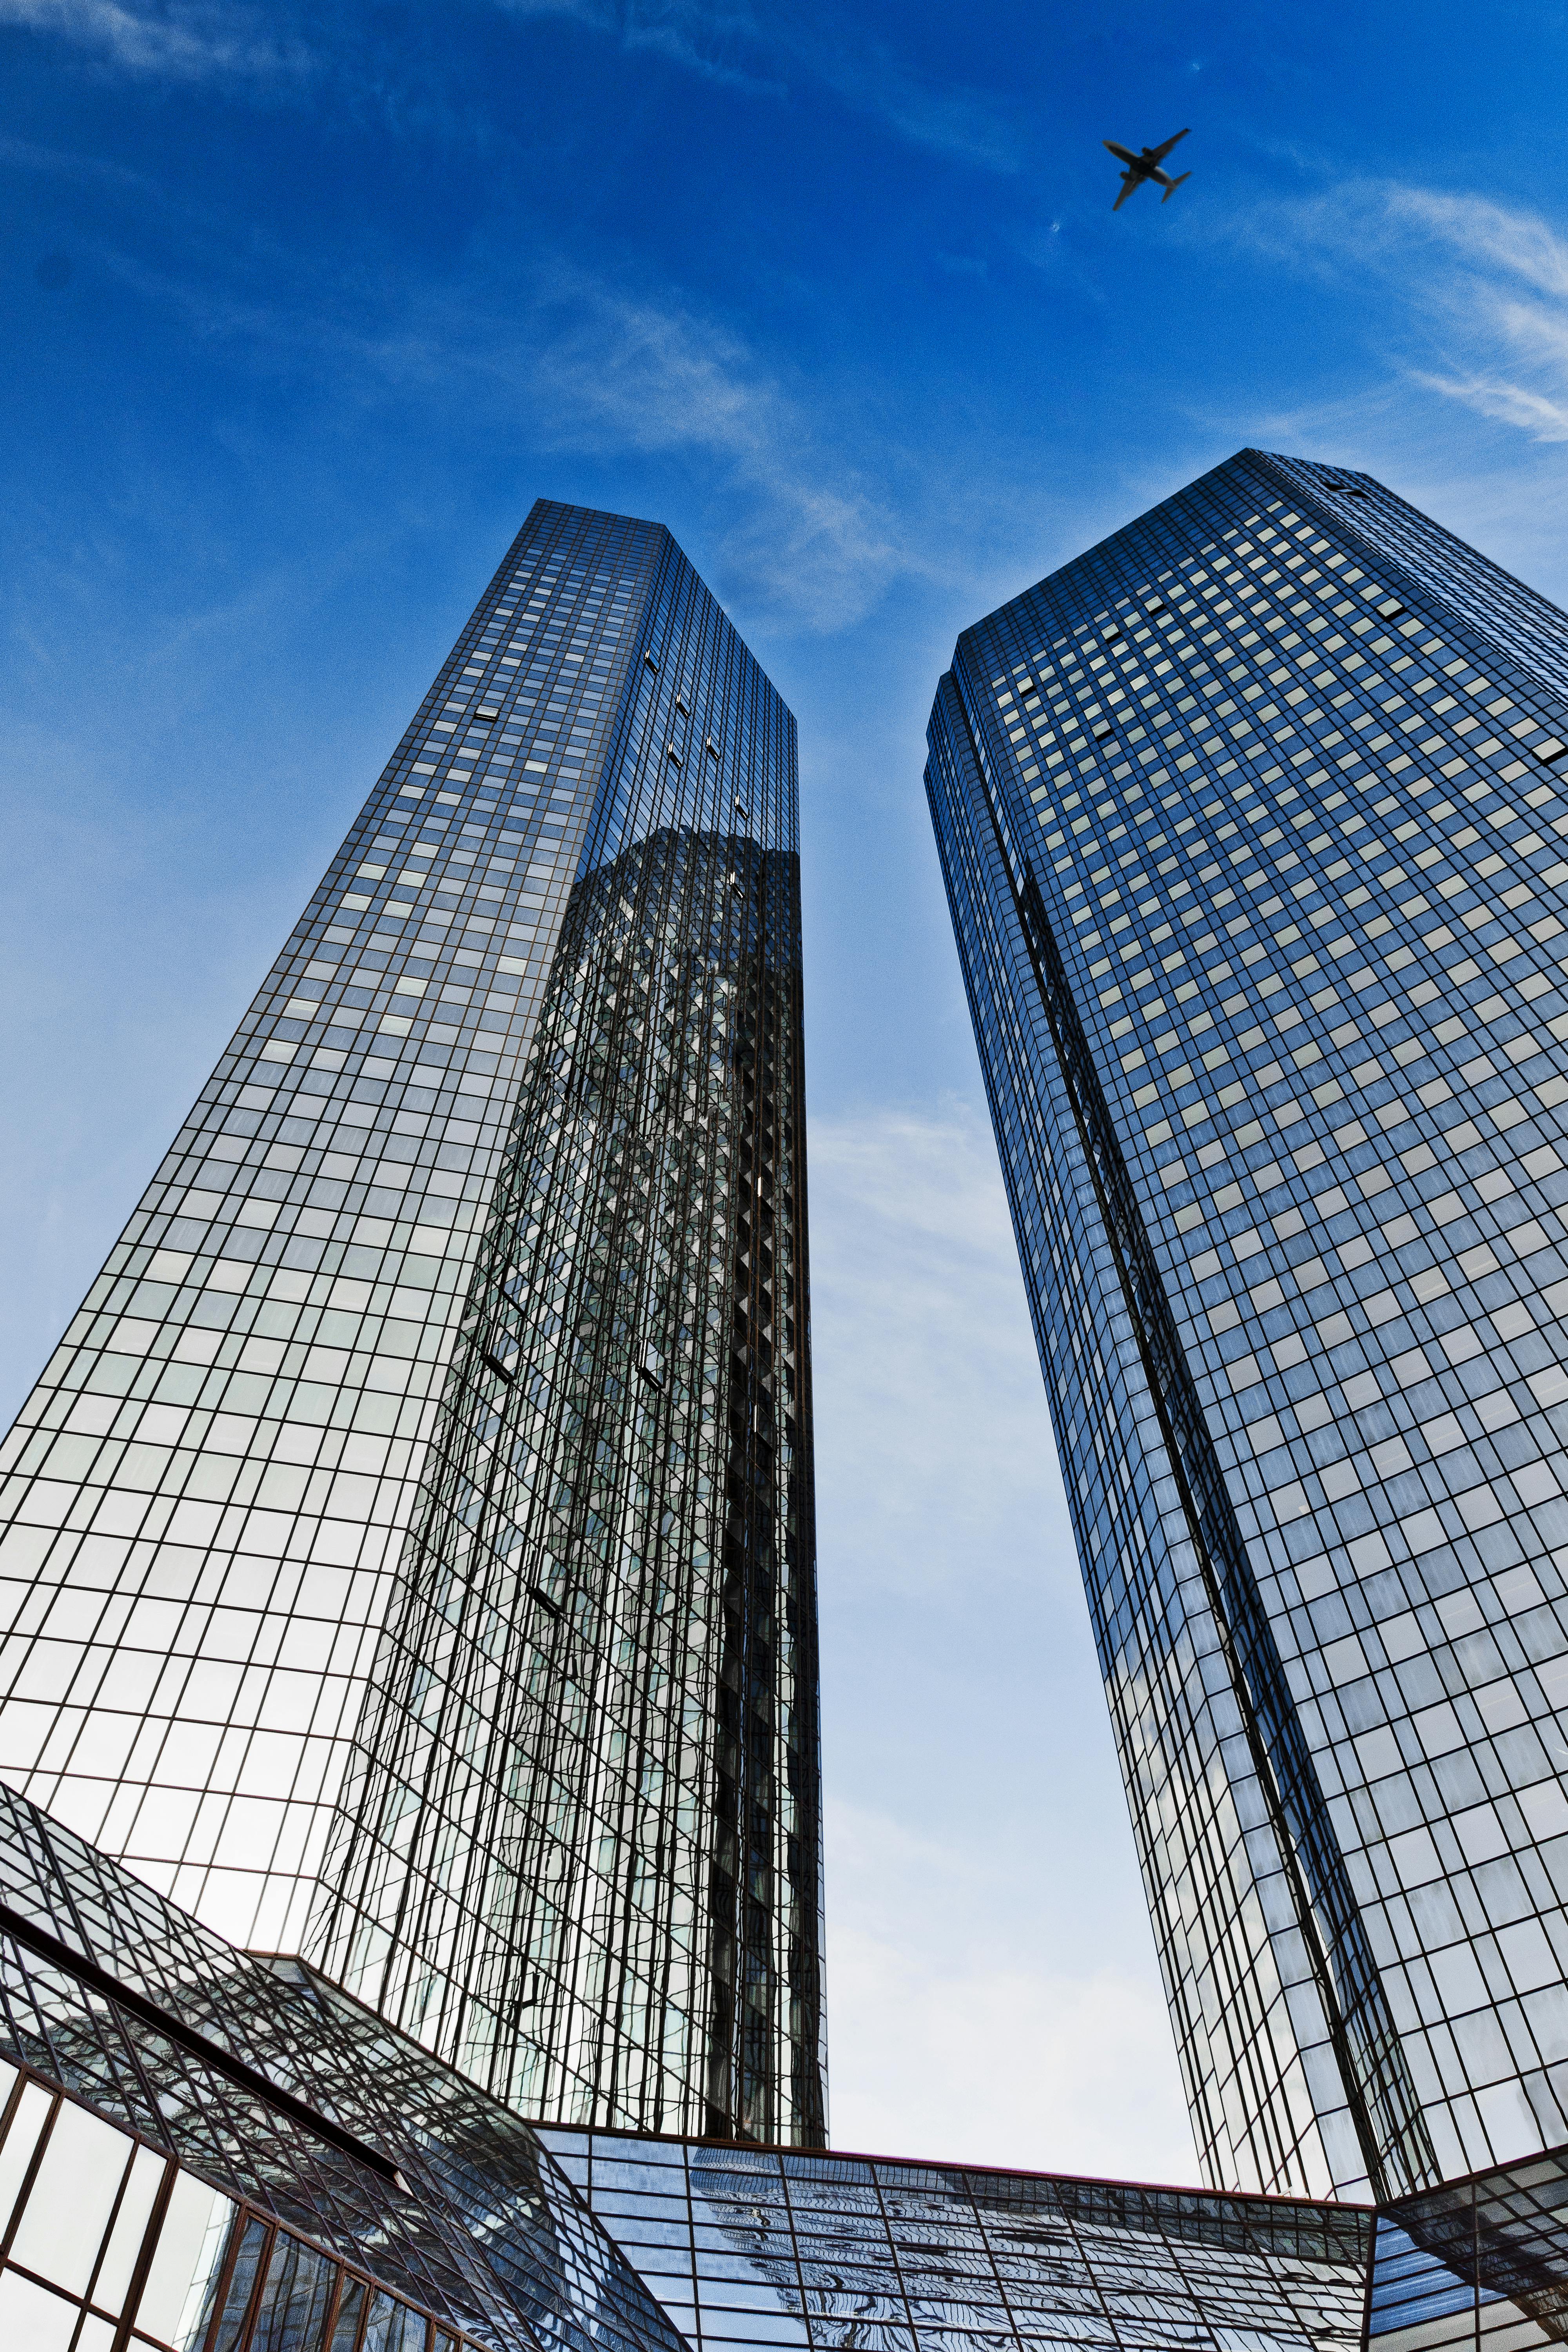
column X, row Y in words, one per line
column 1142, row 165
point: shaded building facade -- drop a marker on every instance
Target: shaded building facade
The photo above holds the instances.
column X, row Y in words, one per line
column 1252, row 835
column 598, row 1687
column 407, row 1558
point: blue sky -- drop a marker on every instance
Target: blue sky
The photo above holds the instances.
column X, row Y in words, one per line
column 304, row 308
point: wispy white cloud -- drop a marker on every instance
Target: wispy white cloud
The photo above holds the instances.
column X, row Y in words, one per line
column 766, row 51
column 185, row 40
column 762, row 53
column 1535, row 412
column 1520, row 245
column 1474, row 293
column 712, row 42
column 934, row 1446
column 1499, row 297
column 799, row 529
column 811, row 515
column 956, row 2033
column 629, row 372
column 968, row 124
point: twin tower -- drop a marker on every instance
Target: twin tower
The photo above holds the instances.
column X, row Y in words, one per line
column 408, row 1556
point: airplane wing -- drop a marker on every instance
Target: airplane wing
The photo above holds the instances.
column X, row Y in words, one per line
column 1122, row 155
column 1129, row 182
column 1160, row 153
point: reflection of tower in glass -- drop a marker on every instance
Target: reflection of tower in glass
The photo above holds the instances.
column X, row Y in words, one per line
column 580, row 1853
column 808, row 2247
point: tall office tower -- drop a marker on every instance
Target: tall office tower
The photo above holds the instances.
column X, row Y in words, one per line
column 408, row 1553
column 1249, row 819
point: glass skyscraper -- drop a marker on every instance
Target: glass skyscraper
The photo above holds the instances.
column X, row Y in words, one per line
column 1252, row 829
column 407, row 1555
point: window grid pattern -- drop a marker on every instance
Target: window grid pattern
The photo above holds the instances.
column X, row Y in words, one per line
column 581, row 1852
column 206, row 1494
column 1278, row 763
column 103, row 2236
column 396, row 2166
column 1482, row 2262
column 761, row 2247
column 1251, row 2034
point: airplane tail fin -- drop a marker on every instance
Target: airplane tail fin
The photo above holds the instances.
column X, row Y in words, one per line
column 1173, row 185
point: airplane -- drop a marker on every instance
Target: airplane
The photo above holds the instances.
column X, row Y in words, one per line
column 1146, row 166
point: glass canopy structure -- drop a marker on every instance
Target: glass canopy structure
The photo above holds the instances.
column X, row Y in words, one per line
column 202, row 2150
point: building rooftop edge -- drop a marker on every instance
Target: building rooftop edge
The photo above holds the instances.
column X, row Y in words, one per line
column 1273, row 2200
column 1238, row 457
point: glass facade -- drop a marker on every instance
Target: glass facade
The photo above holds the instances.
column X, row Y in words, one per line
column 754, row 2248
column 598, row 1688
column 215, row 2151
column 1253, row 842
column 407, row 1558
column 106, row 2230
